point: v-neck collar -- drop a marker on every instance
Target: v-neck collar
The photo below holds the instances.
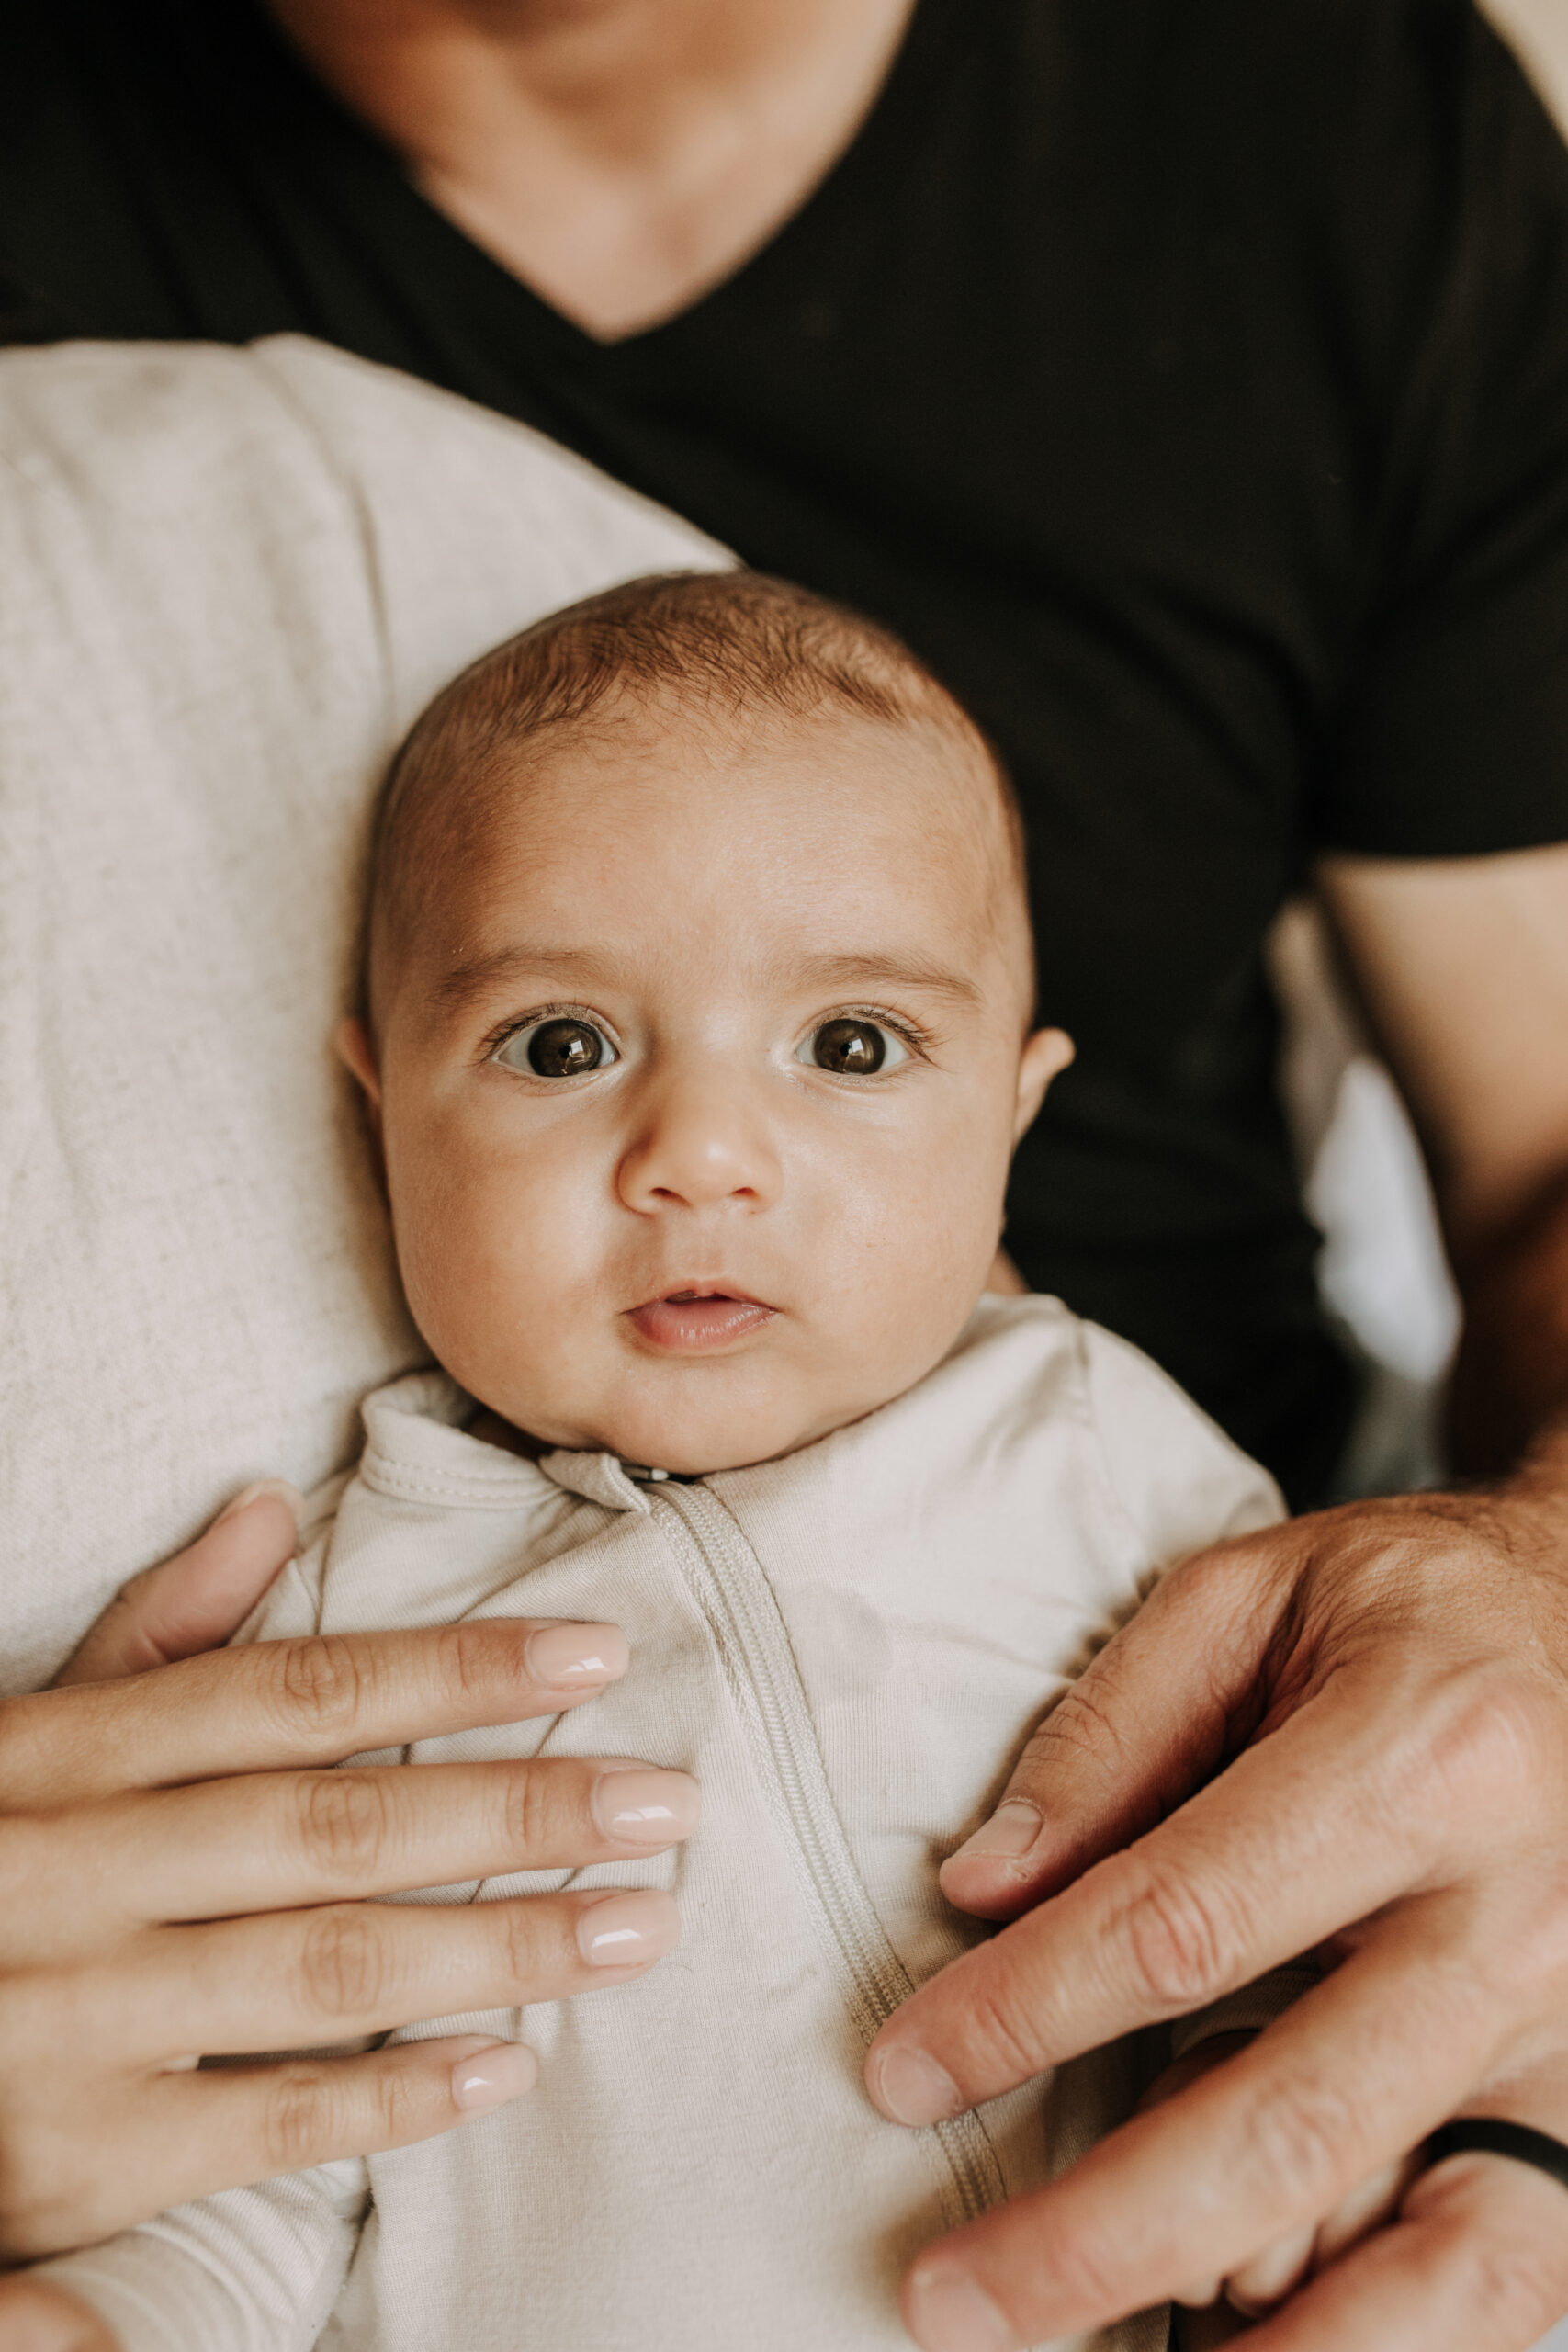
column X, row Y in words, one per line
column 878, row 152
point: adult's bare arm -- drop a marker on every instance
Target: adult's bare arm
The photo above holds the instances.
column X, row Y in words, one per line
column 181, row 1873
column 1349, row 1733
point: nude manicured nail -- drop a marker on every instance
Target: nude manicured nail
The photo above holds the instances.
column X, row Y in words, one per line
column 1010, row 1831
column 910, row 2088
column 574, row 1656
column 642, row 1807
column 490, row 2077
column 948, row 2312
column 289, row 1496
column 622, row 1931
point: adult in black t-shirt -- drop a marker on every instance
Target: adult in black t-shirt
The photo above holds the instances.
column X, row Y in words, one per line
column 1188, row 380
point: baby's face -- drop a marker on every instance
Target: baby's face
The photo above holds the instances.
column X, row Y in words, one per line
column 698, row 1076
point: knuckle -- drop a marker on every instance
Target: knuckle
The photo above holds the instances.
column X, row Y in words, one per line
column 398, row 2108
column 532, row 1809
column 342, row 1964
column 1182, row 1950
column 520, row 1939
column 466, row 1660
column 1495, row 1743
column 1297, row 2138
column 1000, row 2028
column 344, row 1822
column 1087, row 2269
column 321, row 1682
column 1513, row 2285
column 1081, row 1729
column 300, row 2118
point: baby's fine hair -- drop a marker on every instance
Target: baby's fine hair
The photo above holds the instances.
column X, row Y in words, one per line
column 718, row 646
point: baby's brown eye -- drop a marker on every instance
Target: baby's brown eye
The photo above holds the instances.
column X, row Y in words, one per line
column 853, row 1047
column 562, row 1046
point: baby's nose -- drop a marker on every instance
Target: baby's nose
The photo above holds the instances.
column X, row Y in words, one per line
column 701, row 1143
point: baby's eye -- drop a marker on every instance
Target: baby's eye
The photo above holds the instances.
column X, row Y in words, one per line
column 563, row 1044
column 854, row 1046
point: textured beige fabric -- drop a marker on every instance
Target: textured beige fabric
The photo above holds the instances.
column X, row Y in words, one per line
column 848, row 1647
column 228, row 581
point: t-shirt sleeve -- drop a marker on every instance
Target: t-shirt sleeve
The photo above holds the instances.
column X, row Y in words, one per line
column 1452, row 733
column 1175, row 1473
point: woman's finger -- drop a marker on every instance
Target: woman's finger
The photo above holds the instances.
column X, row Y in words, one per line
column 37, row 2315
column 292, row 1980
column 280, row 1840
column 191, row 2134
column 198, row 1599
column 280, row 1704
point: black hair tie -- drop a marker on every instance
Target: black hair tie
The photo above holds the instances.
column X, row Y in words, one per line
column 1492, row 2137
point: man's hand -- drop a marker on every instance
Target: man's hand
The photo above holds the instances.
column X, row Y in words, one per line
column 1379, row 1691
column 182, row 1874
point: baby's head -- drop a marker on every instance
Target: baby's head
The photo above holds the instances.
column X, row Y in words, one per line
column 698, row 1021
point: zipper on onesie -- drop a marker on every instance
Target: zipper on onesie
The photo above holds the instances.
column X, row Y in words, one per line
column 731, row 1587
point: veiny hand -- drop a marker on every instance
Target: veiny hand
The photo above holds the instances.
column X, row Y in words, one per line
column 181, row 1874
column 1380, row 1692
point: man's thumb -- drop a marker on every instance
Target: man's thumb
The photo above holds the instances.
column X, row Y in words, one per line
column 197, row 1600
column 1150, row 1719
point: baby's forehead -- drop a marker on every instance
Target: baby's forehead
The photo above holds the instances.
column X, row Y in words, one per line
column 910, row 805
column 819, row 818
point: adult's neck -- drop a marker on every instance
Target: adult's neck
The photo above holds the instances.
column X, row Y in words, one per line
column 622, row 156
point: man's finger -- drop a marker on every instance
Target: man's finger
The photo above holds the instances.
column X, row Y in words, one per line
column 277, row 1704
column 296, row 1980
column 1359, row 2070
column 1151, row 1717
column 37, row 2315
column 282, row 1841
column 198, row 1599
column 1479, row 2258
column 1242, row 1878
column 195, row 2134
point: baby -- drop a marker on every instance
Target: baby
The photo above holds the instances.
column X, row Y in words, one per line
column 697, row 1037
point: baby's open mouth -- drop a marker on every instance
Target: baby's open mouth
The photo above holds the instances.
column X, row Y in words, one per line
column 703, row 1315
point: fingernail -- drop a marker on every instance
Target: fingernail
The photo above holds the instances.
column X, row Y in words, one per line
column 637, row 1806
column 621, row 1930
column 490, row 2077
column 910, row 2088
column 285, row 1494
column 948, row 2312
column 575, row 1656
column 1010, row 1831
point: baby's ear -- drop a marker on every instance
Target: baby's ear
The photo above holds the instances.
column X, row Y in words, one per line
column 351, row 1040
column 1044, row 1056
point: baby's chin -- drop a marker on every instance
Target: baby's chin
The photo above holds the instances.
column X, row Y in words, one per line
column 693, row 1444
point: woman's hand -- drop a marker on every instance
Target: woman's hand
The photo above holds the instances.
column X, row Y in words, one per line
column 1380, row 1691
column 181, row 1874
column 39, row 2315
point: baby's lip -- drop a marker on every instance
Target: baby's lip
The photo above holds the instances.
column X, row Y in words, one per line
column 698, row 1317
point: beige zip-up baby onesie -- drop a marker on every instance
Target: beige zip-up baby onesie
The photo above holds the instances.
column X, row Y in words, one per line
column 848, row 1647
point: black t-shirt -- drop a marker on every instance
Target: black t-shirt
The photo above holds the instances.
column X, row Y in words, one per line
column 1186, row 380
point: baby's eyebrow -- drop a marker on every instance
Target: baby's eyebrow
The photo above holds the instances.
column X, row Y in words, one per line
column 835, row 973
column 825, row 974
column 477, row 974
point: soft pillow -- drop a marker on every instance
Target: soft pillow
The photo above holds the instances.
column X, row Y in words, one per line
column 230, row 579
